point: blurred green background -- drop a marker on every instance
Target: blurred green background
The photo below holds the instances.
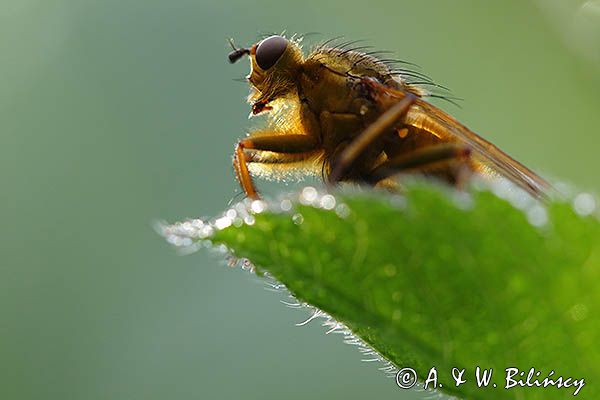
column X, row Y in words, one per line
column 117, row 113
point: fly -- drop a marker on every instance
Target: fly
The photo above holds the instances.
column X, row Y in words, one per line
column 348, row 116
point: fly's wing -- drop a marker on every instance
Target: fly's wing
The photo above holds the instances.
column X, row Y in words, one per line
column 491, row 159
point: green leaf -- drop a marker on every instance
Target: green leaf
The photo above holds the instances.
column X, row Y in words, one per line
column 429, row 280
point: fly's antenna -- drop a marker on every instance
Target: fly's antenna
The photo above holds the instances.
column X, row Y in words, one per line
column 237, row 53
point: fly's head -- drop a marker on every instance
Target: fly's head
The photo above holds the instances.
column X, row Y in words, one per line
column 275, row 63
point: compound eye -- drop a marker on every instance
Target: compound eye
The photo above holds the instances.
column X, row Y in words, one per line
column 269, row 51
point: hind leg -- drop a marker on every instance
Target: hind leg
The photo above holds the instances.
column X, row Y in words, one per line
column 448, row 161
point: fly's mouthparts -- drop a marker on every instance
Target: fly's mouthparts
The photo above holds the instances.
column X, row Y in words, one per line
column 260, row 106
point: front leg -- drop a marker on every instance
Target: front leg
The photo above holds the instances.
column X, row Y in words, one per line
column 276, row 143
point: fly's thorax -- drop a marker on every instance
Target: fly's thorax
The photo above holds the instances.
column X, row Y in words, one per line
column 341, row 107
column 325, row 90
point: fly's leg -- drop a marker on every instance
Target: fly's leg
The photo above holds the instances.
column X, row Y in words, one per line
column 240, row 166
column 393, row 116
column 450, row 159
column 291, row 147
